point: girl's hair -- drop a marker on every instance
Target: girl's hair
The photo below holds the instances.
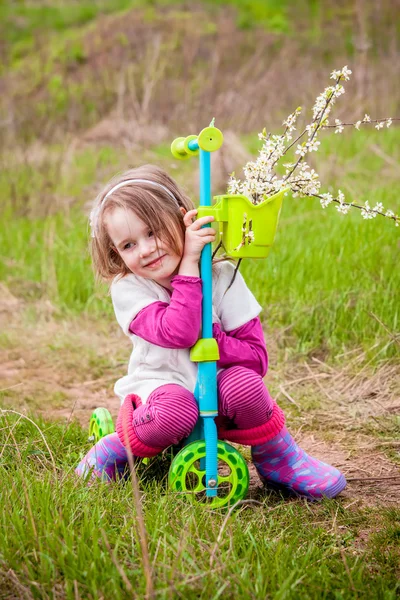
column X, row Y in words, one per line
column 151, row 203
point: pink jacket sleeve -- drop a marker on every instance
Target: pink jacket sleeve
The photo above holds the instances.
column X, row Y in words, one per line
column 244, row 346
column 177, row 325
column 173, row 325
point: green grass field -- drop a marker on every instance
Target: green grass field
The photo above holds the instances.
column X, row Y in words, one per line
column 323, row 282
column 60, row 539
column 326, row 278
column 329, row 291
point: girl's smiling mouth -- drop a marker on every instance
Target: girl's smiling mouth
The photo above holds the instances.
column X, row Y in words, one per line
column 156, row 262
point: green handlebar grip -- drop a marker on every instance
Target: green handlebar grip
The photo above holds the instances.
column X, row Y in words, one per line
column 178, row 149
column 209, row 139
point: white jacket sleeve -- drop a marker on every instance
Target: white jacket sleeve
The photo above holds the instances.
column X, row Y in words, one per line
column 238, row 305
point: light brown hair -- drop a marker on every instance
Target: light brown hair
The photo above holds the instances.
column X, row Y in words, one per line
column 153, row 205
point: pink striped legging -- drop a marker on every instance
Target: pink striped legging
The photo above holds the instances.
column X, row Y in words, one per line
column 171, row 411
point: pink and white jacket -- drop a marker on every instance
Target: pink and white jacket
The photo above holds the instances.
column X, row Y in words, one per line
column 163, row 326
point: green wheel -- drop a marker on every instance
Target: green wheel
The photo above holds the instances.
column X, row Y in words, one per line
column 210, row 139
column 186, row 475
column 101, row 424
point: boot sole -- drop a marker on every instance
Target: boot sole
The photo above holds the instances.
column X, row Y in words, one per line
column 287, row 490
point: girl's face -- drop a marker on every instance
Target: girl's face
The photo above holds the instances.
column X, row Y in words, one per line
column 136, row 245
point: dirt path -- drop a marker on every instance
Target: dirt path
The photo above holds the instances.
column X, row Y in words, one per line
column 349, row 418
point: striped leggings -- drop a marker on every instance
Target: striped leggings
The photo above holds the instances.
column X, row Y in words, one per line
column 171, row 413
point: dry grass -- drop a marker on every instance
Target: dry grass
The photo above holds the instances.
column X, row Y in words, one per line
column 140, row 75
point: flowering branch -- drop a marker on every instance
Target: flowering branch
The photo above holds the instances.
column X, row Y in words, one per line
column 366, row 211
column 318, row 115
column 261, row 180
column 367, row 119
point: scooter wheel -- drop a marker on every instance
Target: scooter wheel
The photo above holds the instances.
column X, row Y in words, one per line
column 187, row 475
column 101, row 424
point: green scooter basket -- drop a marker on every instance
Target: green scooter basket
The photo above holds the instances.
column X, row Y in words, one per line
column 248, row 230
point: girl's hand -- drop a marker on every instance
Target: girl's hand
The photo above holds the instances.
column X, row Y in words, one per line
column 196, row 237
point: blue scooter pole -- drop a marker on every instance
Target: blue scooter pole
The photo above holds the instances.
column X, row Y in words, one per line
column 205, row 352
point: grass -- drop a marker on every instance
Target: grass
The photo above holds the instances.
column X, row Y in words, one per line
column 23, row 22
column 329, row 291
column 330, row 281
column 61, row 538
column 66, row 67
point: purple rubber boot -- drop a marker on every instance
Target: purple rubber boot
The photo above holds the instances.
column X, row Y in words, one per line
column 107, row 460
column 281, row 464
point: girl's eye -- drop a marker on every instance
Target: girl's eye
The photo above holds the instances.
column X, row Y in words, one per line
column 151, row 234
column 128, row 245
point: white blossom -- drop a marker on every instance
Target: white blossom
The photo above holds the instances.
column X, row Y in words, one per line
column 339, row 91
column 280, row 184
column 312, row 146
column 378, row 207
column 291, row 119
column 246, row 191
column 326, row 199
column 250, row 170
column 302, row 150
column 341, row 197
column 339, row 126
column 367, row 212
column 344, row 73
column 343, row 208
column 325, row 101
column 233, row 185
column 261, row 179
column 305, row 182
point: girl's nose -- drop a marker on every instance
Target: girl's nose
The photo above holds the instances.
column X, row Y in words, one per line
column 147, row 247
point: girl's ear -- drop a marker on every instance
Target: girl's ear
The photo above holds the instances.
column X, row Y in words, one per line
column 183, row 210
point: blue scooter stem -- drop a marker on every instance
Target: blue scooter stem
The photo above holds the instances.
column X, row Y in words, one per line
column 207, row 371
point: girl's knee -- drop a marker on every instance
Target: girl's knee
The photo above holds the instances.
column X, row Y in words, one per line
column 240, row 382
column 177, row 410
column 244, row 398
column 169, row 416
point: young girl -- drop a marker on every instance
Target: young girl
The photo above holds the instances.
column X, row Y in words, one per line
column 146, row 242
